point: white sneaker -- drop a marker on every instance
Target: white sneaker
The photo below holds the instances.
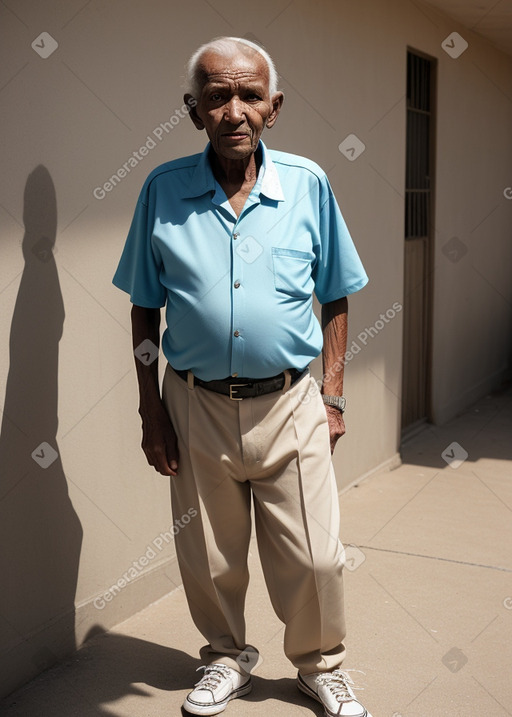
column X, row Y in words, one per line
column 332, row 690
column 212, row 693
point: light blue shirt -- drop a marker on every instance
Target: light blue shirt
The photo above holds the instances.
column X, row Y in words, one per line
column 239, row 291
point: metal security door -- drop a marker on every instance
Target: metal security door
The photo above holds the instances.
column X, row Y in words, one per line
column 418, row 241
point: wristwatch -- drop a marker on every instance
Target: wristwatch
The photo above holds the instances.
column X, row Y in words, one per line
column 338, row 402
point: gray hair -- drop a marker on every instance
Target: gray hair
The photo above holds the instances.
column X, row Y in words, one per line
column 226, row 46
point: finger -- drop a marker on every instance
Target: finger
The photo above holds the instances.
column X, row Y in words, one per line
column 167, row 467
column 170, row 467
column 158, row 459
column 169, row 472
column 166, row 470
column 172, row 457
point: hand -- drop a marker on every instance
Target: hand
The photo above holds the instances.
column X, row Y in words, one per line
column 159, row 442
column 336, row 425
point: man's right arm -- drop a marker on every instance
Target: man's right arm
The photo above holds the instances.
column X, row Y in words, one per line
column 159, row 441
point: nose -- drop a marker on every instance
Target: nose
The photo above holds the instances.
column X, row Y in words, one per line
column 233, row 111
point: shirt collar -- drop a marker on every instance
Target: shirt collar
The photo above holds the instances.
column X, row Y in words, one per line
column 203, row 181
column 270, row 183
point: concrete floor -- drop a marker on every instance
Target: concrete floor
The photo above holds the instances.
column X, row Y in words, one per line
column 428, row 601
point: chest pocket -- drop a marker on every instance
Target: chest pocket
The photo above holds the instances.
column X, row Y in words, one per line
column 292, row 272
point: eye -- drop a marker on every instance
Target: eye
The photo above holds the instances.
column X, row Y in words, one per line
column 215, row 97
column 253, row 97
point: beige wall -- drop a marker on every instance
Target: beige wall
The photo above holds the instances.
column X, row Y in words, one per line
column 71, row 530
column 472, row 335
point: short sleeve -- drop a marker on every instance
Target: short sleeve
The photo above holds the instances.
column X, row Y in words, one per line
column 138, row 272
column 338, row 271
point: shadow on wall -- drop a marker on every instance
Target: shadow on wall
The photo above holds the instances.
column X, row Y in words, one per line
column 40, row 533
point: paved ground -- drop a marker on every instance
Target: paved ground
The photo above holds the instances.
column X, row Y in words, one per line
column 428, row 590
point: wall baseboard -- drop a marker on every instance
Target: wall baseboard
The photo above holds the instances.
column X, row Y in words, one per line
column 390, row 464
column 452, row 408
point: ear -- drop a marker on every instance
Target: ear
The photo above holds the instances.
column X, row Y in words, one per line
column 277, row 103
column 191, row 103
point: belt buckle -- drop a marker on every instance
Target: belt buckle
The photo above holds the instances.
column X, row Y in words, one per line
column 235, row 385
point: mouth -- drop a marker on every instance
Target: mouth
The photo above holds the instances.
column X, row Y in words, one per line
column 235, row 136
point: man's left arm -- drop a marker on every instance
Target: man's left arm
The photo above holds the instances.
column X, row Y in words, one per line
column 334, row 327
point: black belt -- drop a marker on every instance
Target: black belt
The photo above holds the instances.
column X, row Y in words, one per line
column 239, row 388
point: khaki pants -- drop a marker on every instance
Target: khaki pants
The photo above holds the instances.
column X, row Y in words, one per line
column 277, row 448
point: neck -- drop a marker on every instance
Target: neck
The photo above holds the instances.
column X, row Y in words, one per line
column 235, row 172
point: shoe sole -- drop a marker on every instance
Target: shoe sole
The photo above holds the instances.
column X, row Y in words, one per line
column 198, row 709
column 303, row 687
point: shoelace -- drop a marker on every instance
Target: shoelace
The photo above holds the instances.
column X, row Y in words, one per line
column 213, row 674
column 338, row 683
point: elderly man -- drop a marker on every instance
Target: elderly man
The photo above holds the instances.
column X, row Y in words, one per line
column 233, row 242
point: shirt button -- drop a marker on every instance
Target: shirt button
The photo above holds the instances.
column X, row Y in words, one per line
column 236, row 235
column 236, row 333
column 237, row 284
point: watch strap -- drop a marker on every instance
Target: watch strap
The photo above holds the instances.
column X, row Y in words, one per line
column 338, row 402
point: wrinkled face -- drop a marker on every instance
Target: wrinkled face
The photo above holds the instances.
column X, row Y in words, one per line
column 235, row 105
